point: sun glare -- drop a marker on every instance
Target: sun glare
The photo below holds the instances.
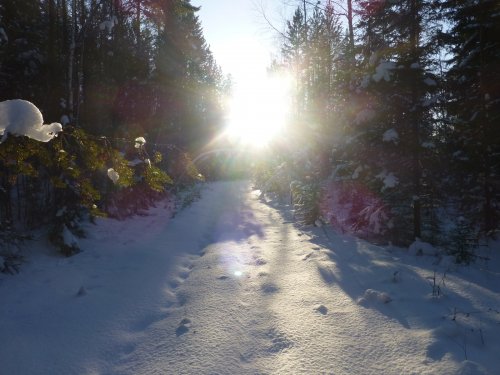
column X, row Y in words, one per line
column 258, row 110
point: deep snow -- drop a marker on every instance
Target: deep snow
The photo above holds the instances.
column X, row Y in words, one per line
column 231, row 285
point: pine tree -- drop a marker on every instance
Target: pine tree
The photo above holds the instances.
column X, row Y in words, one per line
column 391, row 133
column 474, row 110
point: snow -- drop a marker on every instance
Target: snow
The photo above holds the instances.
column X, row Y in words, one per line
column 390, row 135
column 364, row 116
column 22, row 118
column 68, row 238
column 113, row 175
column 373, row 59
column 371, row 295
column 135, row 162
column 232, row 285
column 108, row 24
column 419, row 247
column 388, row 179
column 383, row 70
column 139, row 142
column 356, row 172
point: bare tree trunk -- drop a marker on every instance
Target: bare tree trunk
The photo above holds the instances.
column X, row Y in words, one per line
column 414, row 118
column 71, row 60
column 351, row 29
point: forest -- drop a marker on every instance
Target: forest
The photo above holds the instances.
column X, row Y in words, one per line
column 137, row 91
column 393, row 135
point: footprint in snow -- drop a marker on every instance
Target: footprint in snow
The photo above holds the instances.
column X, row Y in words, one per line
column 260, row 261
column 147, row 321
column 183, row 328
column 184, row 274
column 174, row 283
column 81, row 292
column 326, row 273
column 279, row 341
column 306, row 257
column 269, row 288
column 321, row 309
column 182, row 298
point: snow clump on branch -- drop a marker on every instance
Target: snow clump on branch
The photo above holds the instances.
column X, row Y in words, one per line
column 20, row 117
column 113, row 175
column 139, row 142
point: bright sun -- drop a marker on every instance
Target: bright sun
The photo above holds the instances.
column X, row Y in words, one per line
column 258, row 110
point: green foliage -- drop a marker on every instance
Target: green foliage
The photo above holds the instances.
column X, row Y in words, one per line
column 305, row 200
column 156, row 179
column 10, row 242
column 463, row 242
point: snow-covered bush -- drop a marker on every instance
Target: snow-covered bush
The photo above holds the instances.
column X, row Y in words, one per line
column 351, row 207
column 305, row 199
column 66, row 229
column 273, row 177
column 65, row 181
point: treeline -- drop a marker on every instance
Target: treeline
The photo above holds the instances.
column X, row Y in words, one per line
column 396, row 126
column 112, row 72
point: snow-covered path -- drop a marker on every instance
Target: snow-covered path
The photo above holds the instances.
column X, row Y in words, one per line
column 229, row 286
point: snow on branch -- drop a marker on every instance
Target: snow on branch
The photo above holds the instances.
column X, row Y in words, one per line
column 139, row 142
column 20, row 117
column 113, row 175
column 383, row 71
column 108, row 24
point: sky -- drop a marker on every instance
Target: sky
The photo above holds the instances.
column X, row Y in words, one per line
column 243, row 44
column 240, row 39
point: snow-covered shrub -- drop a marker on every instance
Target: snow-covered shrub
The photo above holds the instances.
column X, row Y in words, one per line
column 419, row 248
column 273, row 178
column 66, row 229
column 350, row 207
column 141, row 182
column 305, row 196
column 180, row 167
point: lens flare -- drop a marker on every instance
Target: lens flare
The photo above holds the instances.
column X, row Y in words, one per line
column 258, row 110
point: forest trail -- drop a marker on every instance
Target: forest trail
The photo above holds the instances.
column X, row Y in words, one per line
column 230, row 285
column 262, row 298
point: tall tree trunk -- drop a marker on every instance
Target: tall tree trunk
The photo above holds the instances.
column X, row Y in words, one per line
column 351, row 30
column 414, row 118
column 71, row 60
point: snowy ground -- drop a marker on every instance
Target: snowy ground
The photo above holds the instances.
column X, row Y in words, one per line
column 232, row 286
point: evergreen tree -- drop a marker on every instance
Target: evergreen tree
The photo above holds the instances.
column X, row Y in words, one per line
column 473, row 91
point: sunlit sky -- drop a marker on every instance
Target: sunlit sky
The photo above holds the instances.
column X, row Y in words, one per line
column 243, row 45
column 238, row 36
